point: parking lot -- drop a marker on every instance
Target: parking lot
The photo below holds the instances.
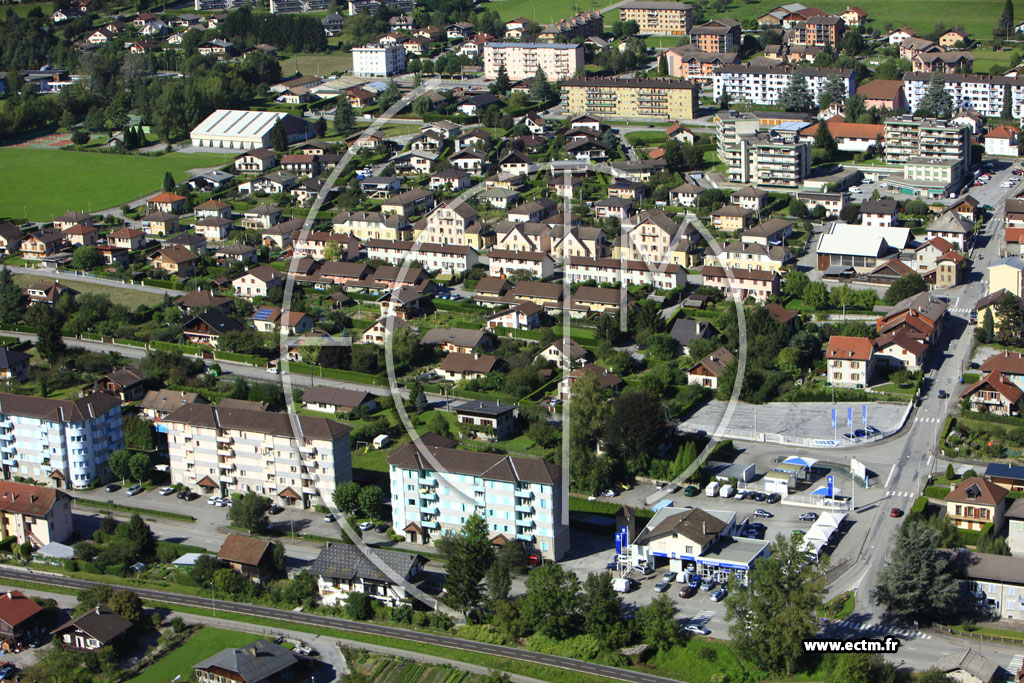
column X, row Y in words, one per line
column 796, row 420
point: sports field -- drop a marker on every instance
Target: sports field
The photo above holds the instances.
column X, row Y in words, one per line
column 976, row 16
column 48, row 182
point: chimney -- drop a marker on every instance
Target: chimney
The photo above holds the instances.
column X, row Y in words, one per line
column 10, row 596
column 97, row 610
column 704, row 527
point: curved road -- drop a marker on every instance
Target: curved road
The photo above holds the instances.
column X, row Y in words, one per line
column 351, row 626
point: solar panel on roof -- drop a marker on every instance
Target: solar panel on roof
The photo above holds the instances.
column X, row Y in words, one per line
column 263, row 314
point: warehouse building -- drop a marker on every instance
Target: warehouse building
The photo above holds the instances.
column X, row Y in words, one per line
column 235, row 129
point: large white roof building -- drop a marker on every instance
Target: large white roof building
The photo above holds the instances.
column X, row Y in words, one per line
column 236, row 129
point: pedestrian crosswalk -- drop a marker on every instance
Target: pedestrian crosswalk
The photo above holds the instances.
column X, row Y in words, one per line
column 966, row 310
column 881, row 630
column 927, row 419
column 901, row 494
column 1016, row 664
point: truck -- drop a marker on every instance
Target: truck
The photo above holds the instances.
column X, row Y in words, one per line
column 712, row 489
column 623, row 585
column 726, row 491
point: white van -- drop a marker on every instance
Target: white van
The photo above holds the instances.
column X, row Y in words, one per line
column 381, row 440
column 712, row 490
column 727, row 491
column 623, row 585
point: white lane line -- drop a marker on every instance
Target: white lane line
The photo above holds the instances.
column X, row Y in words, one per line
column 889, row 478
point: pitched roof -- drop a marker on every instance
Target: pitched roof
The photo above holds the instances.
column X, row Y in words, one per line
column 994, row 380
column 900, row 337
column 344, row 561
column 167, row 399
column 694, row 524
column 468, row 362
column 51, row 409
column 970, row 661
column 1001, row 469
column 1006, row 362
column 977, row 491
column 16, row 608
column 783, row 315
column 10, row 358
column 715, row 361
column 26, row 499
column 278, row 424
column 848, row 348
column 243, row 549
column 335, row 396
column 454, row 335
column 508, row 468
column 102, row 623
column 259, row 661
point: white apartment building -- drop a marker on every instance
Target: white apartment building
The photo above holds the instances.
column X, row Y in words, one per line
column 435, row 492
column 521, row 60
column 850, row 361
column 382, row 61
column 65, row 443
column 764, row 84
column 658, row 275
column 504, row 262
column 234, row 451
column 981, row 92
column 433, row 257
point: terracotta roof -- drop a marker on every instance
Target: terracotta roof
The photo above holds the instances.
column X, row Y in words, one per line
column 243, row 549
column 739, row 273
column 842, row 129
column 16, row 608
column 715, row 361
column 977, row 491
column 880, row 89
column 994, row 380
column 901, row 338
column 1009, row 362
column 694, row 524
column 467, row 362
column 1003, row 132
column 783, row 315
column 166, row 197
column 848, row 348
column 27, row 499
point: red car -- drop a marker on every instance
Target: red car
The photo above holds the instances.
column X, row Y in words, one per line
column 895, row 512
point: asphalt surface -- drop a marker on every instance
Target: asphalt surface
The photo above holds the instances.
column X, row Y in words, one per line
column 346, row 625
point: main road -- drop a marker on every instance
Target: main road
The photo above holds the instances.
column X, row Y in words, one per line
column 289, row 616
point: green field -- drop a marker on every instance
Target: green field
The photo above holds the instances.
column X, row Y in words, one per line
column 314, row 63
column 118, row 295
column 919, row 15
column 48, row 182
column 985, row 59
column 204, row 643
column 23, row 9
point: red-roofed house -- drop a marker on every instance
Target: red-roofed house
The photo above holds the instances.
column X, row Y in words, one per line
column 18, row 617
column 853, row 16
column 850, row 137
column 248, row 556
column 899, row 349
column 974, row 503
column 850, row 361
column 883, row 94
column 1002, row 141
column 926, row 255
column 993, row 394
column 949, row 269
column 168, row 202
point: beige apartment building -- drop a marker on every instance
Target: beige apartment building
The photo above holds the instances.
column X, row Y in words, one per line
column 658, row 18
column 227, row 450
column 521, row 60
column 774, row 158
column 851, row 361
column 657, row 98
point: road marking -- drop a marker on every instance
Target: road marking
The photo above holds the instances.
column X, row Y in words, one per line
column 889, row 478
column 1016, row 664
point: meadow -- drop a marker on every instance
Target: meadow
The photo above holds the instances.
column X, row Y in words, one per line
column 45, row 183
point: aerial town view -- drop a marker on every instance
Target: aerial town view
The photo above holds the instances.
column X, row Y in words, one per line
column 470, row 341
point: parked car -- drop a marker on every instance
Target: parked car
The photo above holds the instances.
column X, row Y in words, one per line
column 687, row 591
column 763, row 514
column 275, row 509
column 740, row 495
column 943, row 394
column 691, row 491
column 366, row 526
column 613, row 565
column 809, row 517
column 330, row 518
column 772, row 498
column 707, row 584
column 668, row 577
column 608, row 493
column 697, row 630
column 112, row 487
column 135, row 490
column 383, row 528
column 166, row 491
column 752, row 533
column 661, row 587
column 718, row 595
column 213, row 500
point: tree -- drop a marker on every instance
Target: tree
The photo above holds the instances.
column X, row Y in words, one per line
column 857, row 667
column 359, row 606
column 49, row 342
column 320, row 127
column 127, row 604
column 278, row 558
column 950, row 472
column 203, row 569
column 229, row 584
column 139, row 433
column 816, row 295
column 936, row 100
column 551, row 601
column 988, row 326
column 80, row 136
column 796, row 96
column 278, row 138
column 344, row 117
column 499, row 582
column 250, row 512
column 369, row 501
column 501, row 84
column 120, row 464
column 917, row 582
column 663, row 65
column 795, row 283
column 1007, row 113
column 905, row 287
column 1005, row 25
column 137, row 536
column 389, row 97
column 139, row 466
column 589, row 409
column 835, row 91
column 168, row 182
column 419, row 399
column 601, row 611
column 468, row 556
column 86, row 258
column 657, row 623
column 797, row 208
column 1011, row 319
column 12, row 299
column 777, row 610
column 634, row 429
column 685, row 456
column 346, row 496
column 539, row 87
column 824, row 141
column 93, row 597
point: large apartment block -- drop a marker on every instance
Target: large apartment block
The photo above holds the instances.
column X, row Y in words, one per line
column 658, row 18
column 436, row 491
column 298, row 6
column 576, row 28
column 910, row 138
column 65, row 443
column 657, row 98
column 218, row 5
column 981, row 92
column 770, row 158
column 229, row 450
column 611, row 270
column 764, row 84
column 521, row 60
column 378, row 60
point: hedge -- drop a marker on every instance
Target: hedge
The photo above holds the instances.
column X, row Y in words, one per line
column 919, row 505
column 164, row 284
column 998, row 419
column 241, row 358
column 936, row 491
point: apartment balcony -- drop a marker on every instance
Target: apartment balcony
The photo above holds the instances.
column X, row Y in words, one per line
column 525, row 538
column 428, row 495
column 225, row 439
column 527, row 509
column 429, row 510
column 525, row 523
column 428, row 481
column 524, row 493
column 308, row 449
column 228, row 479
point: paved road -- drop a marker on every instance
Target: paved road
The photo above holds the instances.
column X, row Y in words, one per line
column 346, row 625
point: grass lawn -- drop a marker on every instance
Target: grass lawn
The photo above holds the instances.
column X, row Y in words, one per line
column 317, row 63
column 126, row 297
column 23, row 9
column 204, row 643
column 985, row 631
column 985, row 59
column 547, row 11
column 48, row 182
column 644, row 138
column 698, row 661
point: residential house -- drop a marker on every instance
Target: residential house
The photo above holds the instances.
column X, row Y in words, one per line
column 272, row 319
column 42, row 244
column 176, row 260
column 167, row 202
column 994, row 394
column 262, row 217
column 258, row 662
column 160, row 223
column 343, row 569
column 732, row 217
column 524, row 316
column 742, row 283
column 684, row 331
column 850, row 362
column 381, row 330
column 20, row 620
column 80, row 235
column 408, row 203
column 336, row 400
column 880, row 213
column 709, row 369
column 1002, row 141
column 99, row 627
column 10, row 238
column 458, row 340
column 749, row 197
column 158, row 403
column 34, row 514
column 257, row 282
column 207, row 327
column 256, row 161
column 976, row 502
column 248, row 556
column 126, row 383
column 14, row 365
column 486, row 420
column 503, row 263
column 48, row 292
column 464, row 366
column 686, row 194
column 565, row 355
column 898, row 349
